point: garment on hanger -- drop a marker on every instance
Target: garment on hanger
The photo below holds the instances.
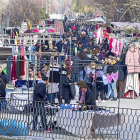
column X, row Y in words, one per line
column 17, row 68
column 110, row 44
column 13, row 77
column 99, row 35
column 132, row 79
column 31, row 57
column 9, row 63
column 132, row 59
column 54, row 74
column 26, row 68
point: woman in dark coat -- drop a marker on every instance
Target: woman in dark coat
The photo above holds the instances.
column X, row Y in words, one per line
column 66, row 92
column 86, row 96
column 3, row 82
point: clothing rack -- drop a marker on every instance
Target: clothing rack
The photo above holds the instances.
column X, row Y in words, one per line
column 32, row 39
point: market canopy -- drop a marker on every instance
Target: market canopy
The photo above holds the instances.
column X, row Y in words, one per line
column 98, row 19
column 126, row 24
column 56, row 16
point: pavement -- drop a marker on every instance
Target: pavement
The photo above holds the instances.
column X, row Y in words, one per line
column 122, row 103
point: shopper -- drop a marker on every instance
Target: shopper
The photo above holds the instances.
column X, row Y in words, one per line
column 112, row 76
column 3, row 82
column 66, row 82
column 86, row 96
column 39, row 103
column 120, row 81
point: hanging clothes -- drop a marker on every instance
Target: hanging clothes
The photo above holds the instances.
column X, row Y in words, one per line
column 13, row 77
column 9, row 62
column 17, row 68
column 106, row 34
column 97, row 26
column 20, row 66
column 31, row 57
column 26, row 68
column 132, row 82
column 119, row 47
column 23, row 60
column 54, row 75
column 114, row 46
column 59, row 25
column 99, row 35
column 110, row 44
column 132, row 59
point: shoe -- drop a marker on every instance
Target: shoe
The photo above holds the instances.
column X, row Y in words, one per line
column 103, row 101
column 34, row 130
column 106, row 98
column 48, row 130
column 114, row 99
column 96, row 101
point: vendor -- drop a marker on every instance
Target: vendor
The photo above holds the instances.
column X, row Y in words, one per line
column 86, row 96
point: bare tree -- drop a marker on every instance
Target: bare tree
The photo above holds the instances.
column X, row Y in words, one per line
column 20, row 10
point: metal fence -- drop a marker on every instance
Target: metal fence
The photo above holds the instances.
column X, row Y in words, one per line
column 18, row 118
column 116, row 120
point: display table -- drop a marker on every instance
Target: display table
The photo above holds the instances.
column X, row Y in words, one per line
column 81, row 123
column 18, row 100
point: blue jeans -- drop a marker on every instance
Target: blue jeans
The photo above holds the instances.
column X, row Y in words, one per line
column 51, row 97
column 2, row 104
column 81, row 75
column 76, row 77
column 111, row 87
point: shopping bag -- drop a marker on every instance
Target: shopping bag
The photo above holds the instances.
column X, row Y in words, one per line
column 73, row 90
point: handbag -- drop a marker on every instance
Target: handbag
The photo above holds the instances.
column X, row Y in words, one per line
column 73, row 90
column 2, row 81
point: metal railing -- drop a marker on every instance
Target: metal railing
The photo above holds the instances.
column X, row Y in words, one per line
column 18, row 118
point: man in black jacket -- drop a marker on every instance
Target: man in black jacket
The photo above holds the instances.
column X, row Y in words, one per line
column 3, row 82
column 39, row 103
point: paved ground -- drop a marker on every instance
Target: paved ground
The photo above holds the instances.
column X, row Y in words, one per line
column 122, row 103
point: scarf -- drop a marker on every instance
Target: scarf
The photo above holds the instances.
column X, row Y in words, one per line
column 83, row 96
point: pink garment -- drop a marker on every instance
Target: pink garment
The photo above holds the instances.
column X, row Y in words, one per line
column 114, row 45
column 43, row 23
column 51, row 31
column 117, row 46
column 35, row 31
column 83, row 96
column 132, row 59
column 109, row 78
column 23, row 62
column 113, row 76
column 59, row 25
column 120, row 46
column 110, row 44
column 95, row 35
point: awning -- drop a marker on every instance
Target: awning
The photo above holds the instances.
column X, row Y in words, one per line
column 126, row 24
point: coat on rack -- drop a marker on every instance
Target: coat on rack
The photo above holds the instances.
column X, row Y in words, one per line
column 9, row 62
column 132, row 59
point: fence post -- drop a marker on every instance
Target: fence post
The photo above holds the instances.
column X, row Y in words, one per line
column 2, row 21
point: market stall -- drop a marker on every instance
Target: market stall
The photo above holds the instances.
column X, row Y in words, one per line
column 82, row 123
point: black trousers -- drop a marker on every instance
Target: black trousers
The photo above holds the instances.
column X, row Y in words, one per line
column 67, row 101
